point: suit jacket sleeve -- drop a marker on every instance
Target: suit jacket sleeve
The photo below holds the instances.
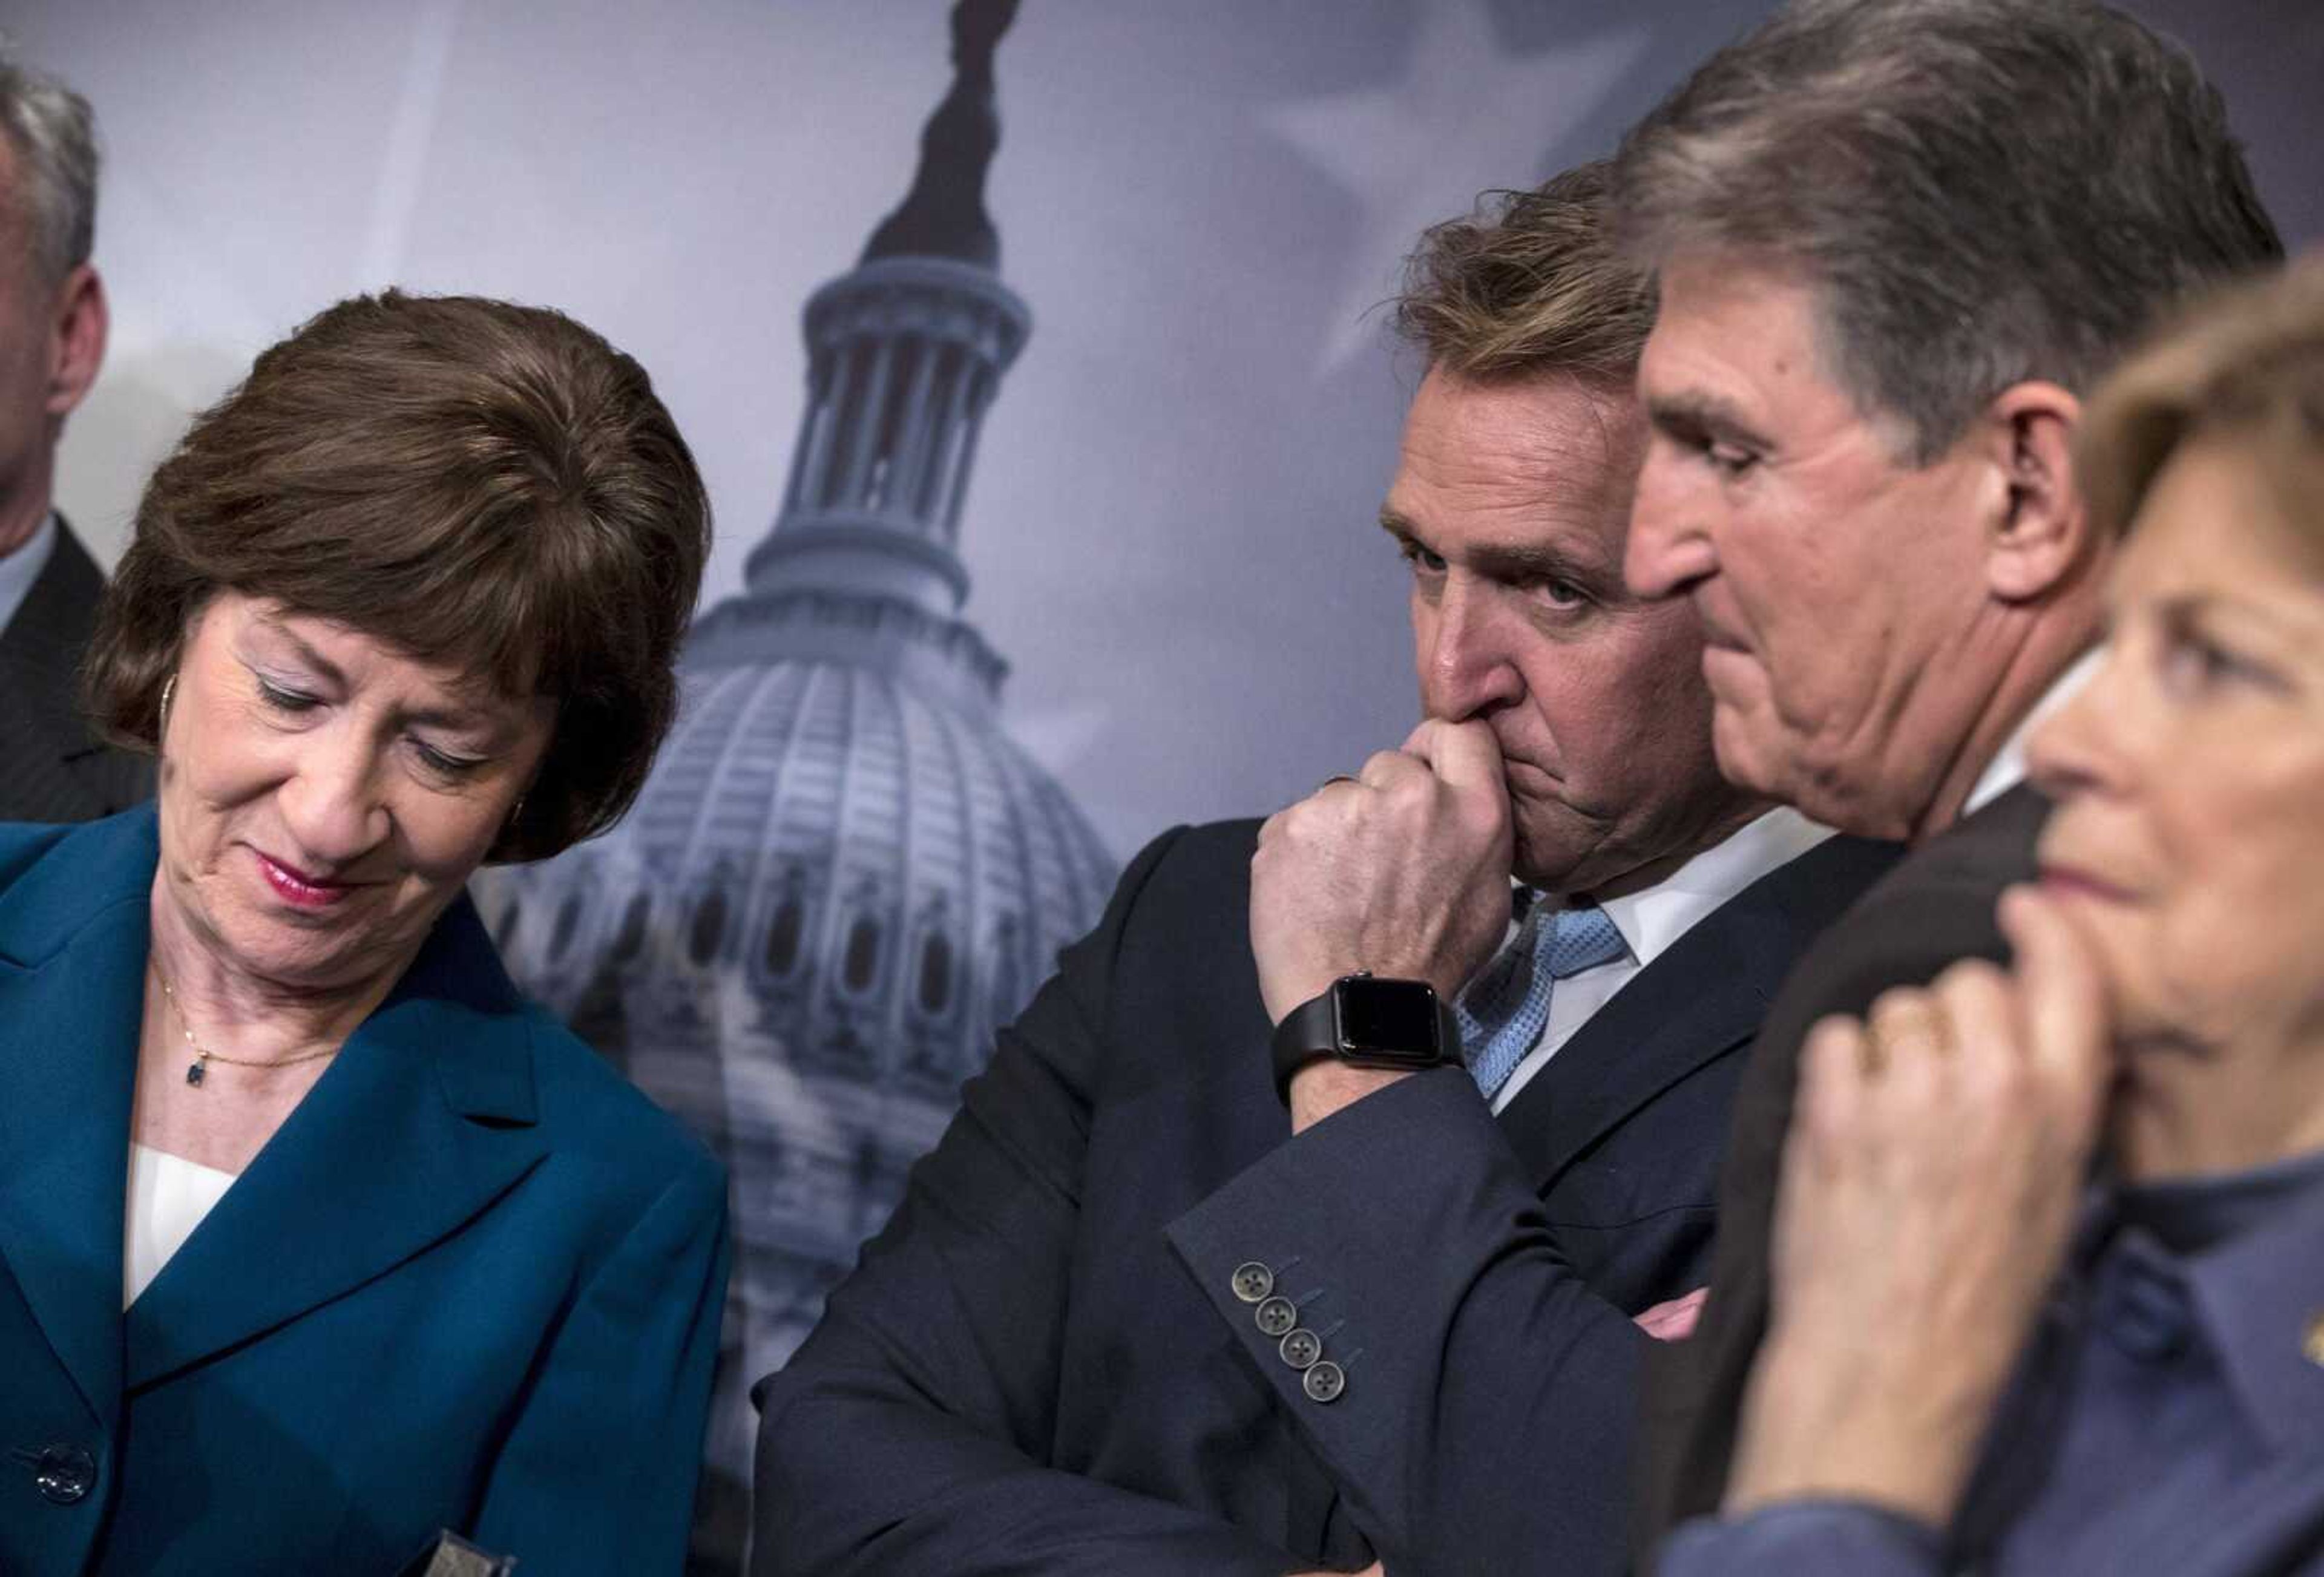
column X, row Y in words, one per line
column 597, row 1471
column 907, row 1435
column 1491, row 1395
column 1934, row 909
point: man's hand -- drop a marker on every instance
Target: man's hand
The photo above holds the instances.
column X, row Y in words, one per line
column 1402, row 871
column 1936, row 1159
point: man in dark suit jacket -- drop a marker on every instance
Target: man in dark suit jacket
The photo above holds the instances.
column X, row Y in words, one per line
column 53, row 768
column 1158, row 1302
column 52, row 323
column 1860, row 385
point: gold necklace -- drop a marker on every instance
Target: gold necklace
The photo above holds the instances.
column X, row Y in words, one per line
column 204, row 1055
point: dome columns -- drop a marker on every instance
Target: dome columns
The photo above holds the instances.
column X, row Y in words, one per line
column 905, row 356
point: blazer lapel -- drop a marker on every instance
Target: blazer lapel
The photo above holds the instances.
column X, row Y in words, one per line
column 1700, row 999
column 424, row 1120
column 72, row 971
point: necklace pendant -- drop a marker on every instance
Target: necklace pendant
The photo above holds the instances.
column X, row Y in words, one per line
column 194, row 1074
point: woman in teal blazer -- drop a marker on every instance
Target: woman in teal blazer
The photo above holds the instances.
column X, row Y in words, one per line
column 407, row 600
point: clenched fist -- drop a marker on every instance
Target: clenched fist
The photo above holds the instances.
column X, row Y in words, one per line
column 1403, row 871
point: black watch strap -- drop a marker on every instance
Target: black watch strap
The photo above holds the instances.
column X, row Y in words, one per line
column 1367, row 1021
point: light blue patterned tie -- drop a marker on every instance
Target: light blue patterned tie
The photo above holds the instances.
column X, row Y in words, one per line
column 1502, row 1011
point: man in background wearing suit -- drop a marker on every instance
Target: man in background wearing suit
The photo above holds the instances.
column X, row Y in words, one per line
column 53, row 322
column 1895, row 241
column 1162, row 1302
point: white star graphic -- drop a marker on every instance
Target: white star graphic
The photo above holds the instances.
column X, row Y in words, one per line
column 1467, row 116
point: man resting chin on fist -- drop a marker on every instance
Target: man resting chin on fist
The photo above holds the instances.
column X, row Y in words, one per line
column 1301, row 1221
column 1402, row 872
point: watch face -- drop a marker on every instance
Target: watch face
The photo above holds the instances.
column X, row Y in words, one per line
column 1396, row 1016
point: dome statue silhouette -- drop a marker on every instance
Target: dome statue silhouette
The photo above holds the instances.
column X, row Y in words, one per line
column 843, row 875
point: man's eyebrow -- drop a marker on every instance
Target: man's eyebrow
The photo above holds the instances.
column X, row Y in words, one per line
column 1697, row 415
column 1512, row 561
column 1534, row 561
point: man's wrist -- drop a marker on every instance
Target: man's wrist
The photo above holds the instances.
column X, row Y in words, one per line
column 1326, row 1087
column 1368, row 1021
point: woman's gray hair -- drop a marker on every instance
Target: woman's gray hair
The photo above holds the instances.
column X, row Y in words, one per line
column 1978, row 192
column 53, row 137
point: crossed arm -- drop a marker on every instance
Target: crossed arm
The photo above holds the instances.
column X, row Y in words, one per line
column 914, row 1432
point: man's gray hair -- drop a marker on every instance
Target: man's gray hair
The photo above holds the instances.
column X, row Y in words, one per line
column 53, row 137
column 1977, row 192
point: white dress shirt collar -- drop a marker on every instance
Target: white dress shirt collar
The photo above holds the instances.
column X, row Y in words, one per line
column 1653, row 918
column 21, row 568
column 2007, row 768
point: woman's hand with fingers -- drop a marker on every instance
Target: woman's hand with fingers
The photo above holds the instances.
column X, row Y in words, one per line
column 1936, row 1161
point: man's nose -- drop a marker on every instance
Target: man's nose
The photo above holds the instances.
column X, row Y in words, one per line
column 1668, row 549
column 1468, row 667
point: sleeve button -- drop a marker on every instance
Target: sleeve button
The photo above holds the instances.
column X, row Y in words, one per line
column 1251, row 1281
column 1301, row 1348
column 1275, row 1315
column 1324, row 1381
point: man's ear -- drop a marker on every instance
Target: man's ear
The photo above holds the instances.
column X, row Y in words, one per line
column 77, row 331
column 2042, row 534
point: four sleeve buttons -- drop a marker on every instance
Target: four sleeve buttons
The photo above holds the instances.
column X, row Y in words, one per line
column 1277, row 1317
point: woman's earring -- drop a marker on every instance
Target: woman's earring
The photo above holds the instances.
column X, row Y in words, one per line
column 169, row 687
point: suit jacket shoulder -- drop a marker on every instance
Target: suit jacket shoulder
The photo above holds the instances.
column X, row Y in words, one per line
column 1934, row 907
column 22, row 845
column 594, row 1116
column 53, row 765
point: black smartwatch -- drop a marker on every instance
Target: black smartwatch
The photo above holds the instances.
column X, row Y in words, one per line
column 1370, row 1022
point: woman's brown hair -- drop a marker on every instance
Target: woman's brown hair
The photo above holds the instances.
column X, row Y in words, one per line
column 485, row 486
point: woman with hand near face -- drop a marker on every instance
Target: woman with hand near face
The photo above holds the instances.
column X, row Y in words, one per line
column 315, row 1237
column 1977, row 1359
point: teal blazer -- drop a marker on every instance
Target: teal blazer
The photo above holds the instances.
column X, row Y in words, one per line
column 472, row 1282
